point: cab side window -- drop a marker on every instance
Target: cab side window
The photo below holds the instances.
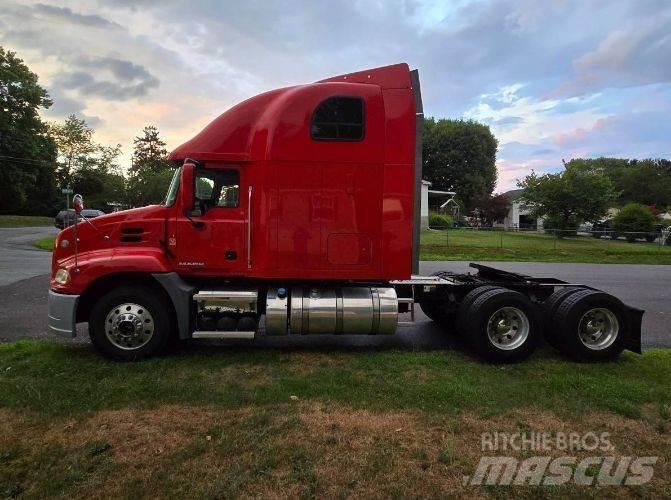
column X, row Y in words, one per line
column 338, row 119
column 217, row 188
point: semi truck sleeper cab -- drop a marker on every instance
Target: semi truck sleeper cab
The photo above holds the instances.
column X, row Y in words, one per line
column 297, row 212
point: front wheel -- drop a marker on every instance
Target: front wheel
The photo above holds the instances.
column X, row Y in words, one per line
column 131, row 323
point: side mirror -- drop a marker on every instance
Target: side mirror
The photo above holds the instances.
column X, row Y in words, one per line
column 186, row 187
column 187, row 194
column 78, row 203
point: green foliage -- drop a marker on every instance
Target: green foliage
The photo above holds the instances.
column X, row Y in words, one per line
column 460, row 156
column 25, row 221
column 491, row 209
column 440, row 221
column 569, row 197
column 87, row 167
column 634, row 218
column 151, row 172
column 647, row 182
column 27, row 153
column 74, row 142
column 148, row 187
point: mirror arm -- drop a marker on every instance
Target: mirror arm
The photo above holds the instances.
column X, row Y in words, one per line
column 195, row 223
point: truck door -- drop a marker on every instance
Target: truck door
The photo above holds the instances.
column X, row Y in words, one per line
column 214, row 243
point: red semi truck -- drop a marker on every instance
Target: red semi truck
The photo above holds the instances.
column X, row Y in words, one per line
column 301, row 205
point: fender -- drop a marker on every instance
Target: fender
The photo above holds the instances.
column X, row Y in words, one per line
column 97, row 264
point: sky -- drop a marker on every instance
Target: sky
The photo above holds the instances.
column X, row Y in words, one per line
column 554, row 79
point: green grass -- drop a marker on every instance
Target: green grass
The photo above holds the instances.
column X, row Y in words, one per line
column 25, row 221
column 57, row 379
column 468, row 244
column 223, row 422
column 46, row 243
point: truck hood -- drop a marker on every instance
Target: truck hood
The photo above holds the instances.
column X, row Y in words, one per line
column 136, row 227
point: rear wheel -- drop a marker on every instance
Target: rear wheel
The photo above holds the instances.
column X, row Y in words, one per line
column 590, row 326
column 469, row 298
column 502, row 326
column 549, row 308
column 131, row 323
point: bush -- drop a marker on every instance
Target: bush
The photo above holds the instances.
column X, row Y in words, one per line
column 439, row 221
column 634, row 218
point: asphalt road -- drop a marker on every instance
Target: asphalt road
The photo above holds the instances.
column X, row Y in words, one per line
column 24, row 283
column 19, row 259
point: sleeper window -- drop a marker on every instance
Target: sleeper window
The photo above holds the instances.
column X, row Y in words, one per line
column 338, row 119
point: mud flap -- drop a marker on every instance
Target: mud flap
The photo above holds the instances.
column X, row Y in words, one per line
column 634, row 320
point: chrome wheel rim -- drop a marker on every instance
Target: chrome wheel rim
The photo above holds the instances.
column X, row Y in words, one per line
column 598, row 328
column 508, row 328
column 129, row 326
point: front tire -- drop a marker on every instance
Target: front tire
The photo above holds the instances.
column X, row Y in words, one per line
column 131, row 323
column 503, row 326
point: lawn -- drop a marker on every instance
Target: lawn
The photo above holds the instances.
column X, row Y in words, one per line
column 46, row 243
column 220, row 422
column 468, row 244
column 25, row 221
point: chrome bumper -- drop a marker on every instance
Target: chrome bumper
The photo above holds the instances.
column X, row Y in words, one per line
column 62, row 314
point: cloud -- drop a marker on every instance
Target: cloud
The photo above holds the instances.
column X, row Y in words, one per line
column 629, row 56
column 66, row 14
column 537, row 72
column 124, row 79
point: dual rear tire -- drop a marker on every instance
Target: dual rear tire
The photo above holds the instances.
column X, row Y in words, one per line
column 586, row 325
column 502, row 326
column 505, row 326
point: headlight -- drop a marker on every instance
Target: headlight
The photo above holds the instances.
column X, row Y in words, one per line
column 62, row 276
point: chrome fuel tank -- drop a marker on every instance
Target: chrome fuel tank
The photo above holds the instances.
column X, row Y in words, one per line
column 345, row 310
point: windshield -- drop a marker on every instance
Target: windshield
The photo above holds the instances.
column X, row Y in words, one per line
column 172, row 190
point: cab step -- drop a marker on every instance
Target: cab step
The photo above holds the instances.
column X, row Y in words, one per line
column 240, row 335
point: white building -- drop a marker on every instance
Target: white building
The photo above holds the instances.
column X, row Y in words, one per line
column 432, row 200
column 519, row 215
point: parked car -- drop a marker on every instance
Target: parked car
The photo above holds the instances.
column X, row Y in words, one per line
column 66, row 218
column 605, row 228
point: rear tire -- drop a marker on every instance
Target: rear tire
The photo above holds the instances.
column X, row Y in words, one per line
column 549, row 308
column 502, row 326
column 590, row 326
column 131, row 323
column 469, row 298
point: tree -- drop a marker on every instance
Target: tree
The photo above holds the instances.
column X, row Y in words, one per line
column 27, row 153
column 100, row 180
column 634, row 218
column 151, row 171
column 74, row 141
column 149, row 152
column 459, row 156
column 647, row 182
column 491, row 209
column 568, row 198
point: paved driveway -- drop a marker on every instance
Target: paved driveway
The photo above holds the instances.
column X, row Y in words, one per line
column 24, row 282
column 19, row 259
